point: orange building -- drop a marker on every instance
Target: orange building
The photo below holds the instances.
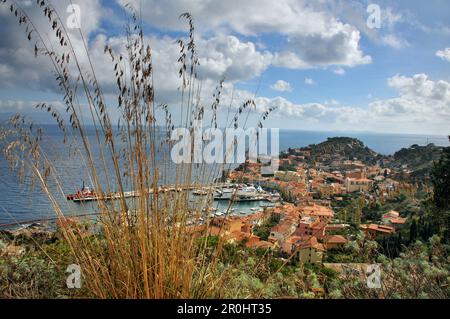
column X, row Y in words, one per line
column 374, row 230
column 334, row 241
column 325, row 214
column 311, row 226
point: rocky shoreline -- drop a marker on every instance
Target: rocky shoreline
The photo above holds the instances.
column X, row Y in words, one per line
column 20, row 240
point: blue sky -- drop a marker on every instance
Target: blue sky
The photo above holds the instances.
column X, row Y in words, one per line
column 317, row 62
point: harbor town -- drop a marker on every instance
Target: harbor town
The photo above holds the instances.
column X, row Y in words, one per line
column 304, row 196
column 203, row 150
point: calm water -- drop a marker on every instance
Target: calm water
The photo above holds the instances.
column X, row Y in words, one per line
column 19, row 202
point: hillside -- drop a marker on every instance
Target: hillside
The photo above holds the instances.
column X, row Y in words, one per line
column 345, row 147
column 418, row 159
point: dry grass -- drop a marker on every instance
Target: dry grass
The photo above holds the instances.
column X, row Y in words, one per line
column 144, row 251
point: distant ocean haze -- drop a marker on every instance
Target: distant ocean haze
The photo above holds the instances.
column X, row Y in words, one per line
column 19, row 202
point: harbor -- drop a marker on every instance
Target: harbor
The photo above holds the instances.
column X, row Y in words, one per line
column 227, row 199
column 219, row 192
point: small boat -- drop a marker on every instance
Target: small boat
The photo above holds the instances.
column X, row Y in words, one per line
column 218, row 214
column 254, row 209
column 200, row 192
column 242, row 212
column 223, row 194
column 85, row 194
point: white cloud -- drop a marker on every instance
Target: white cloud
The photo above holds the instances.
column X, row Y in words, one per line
column 227, row 56
column 281, row 86
column 315, row 36
column 390, row 18
column 420, row 102
column 332, row 102
column 394, row 41
column 17, row 53
column 309, row 81
column 422, row 106
column 444, row 54
column 339, row 71
column 337, row 45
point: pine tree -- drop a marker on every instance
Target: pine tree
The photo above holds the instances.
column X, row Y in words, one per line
column 413, row 231
column 440, row 177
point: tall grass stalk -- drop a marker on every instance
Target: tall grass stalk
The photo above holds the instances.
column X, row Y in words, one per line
column 148, row 250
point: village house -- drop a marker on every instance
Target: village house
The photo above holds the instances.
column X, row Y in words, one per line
column 325, row 214
column 289, row 176
column 304, row 152
column 310, row 251
column 290, row 244
column 228, row 224
column 334, row 227
column 356, row 174
column 286, row 211
column 334, row 241
column 262, row 244
column 280, row 232
column 311, row 226
column 393, row 218
column 388, row 185
column 296, row 191
column 238, row 236
column 328, row 190
column 358, row 185
column 376, row 170
column 374, row 230
column 296, row 158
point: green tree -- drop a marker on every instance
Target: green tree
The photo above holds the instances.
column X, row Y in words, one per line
column 413, row 231
column 440, row 177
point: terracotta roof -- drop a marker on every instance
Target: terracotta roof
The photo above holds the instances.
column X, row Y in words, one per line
column 317, row 210
column 281, row 228
column 336, row 226
column 215, row 231
column 336, row 239
column 239, row 236
column 293, row 239
column 394, row 217
column 398, row 220
column 376, row 227
column 392, row 213
column 263, row 244
column 312, row 243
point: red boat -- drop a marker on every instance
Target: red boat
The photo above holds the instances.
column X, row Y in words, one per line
column 84, row 194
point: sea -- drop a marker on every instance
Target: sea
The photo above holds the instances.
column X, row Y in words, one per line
column 22, row 201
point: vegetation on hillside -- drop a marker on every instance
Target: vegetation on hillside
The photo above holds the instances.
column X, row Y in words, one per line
column 347, row 147
column 418, row 159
